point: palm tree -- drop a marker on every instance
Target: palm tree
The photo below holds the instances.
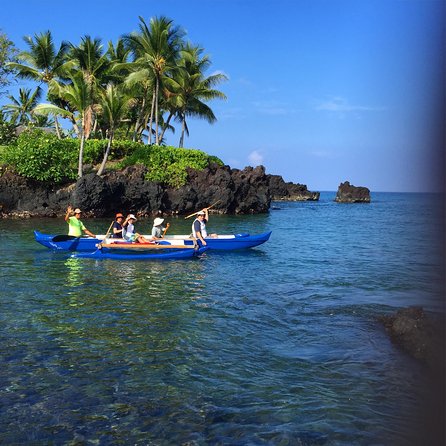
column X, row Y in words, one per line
column 20, row 110
column 190, row 88
column 8, row 53
column 42, row 62
column 155, row 51
column 79, row 98
column 140, row 84
column 89, row 59
column 114, row 106
column 118, row 54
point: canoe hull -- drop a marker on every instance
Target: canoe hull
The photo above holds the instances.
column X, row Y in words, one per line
column 159, row 254
column 67, row 243
column 231, row 243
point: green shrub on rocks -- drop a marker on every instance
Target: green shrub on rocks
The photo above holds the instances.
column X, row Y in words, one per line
column 42, row 156
column 7, row 132
column 95, row 148
column 168, row 164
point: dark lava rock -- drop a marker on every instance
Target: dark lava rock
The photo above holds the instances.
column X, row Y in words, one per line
column 244, row 191
column 417, row 334
column 281, row 191
column 423, row 337
column 348, row 193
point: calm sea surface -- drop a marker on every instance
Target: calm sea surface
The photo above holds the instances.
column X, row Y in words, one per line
column 278, row 345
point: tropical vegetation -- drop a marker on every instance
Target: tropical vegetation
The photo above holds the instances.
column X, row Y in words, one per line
column 129, row 92
column 40, row 155
column 7, row 54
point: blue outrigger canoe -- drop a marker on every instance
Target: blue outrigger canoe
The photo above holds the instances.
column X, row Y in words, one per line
column 89, row 244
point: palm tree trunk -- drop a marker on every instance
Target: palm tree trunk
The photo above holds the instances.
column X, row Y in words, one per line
column 156, row 111
column 95, row 125
column 75, row 126
column 149, row 141
column 107, row 152
column 56, row 125
column 183, row 130
column 81, row 156
column 139, row 119
column 166, row 125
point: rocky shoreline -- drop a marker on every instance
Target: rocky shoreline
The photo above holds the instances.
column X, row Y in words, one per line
column 247, row 191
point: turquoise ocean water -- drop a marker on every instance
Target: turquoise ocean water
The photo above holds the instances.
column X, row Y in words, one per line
column 278, row 345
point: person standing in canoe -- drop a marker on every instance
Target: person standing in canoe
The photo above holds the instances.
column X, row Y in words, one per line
column 158, row 230
column 117, row 226
column 75, row 226
column 199, row 226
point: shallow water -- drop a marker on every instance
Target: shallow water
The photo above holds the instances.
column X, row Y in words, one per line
column 275, row 345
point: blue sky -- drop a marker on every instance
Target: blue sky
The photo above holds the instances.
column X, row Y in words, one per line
column 319, row 91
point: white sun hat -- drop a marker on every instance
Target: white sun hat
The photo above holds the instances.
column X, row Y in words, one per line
column 157, row 221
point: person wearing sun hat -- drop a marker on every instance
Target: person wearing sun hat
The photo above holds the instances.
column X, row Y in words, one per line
column 129, row 233
column 158, row 230
column 75, row 226
column 117, row 226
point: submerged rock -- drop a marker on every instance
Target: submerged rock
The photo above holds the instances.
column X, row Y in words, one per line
column 347, row 193
column 418, row 334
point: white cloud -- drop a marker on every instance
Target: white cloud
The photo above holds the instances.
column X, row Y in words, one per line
column 323, row 154
column 341, row 105
column 231, row 113
column 255, row 158
column 270, row 108
column 245, row 82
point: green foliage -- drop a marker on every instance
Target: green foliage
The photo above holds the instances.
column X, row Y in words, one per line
column 95, row 148
column 44, row 157
column 7, row 54
column 3, row 150
column 169, row 165
column 7, row 132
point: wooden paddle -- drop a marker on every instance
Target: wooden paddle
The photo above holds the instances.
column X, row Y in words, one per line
column 195, row 213
column 105, row 238
column 165, row 230
column 142, row 246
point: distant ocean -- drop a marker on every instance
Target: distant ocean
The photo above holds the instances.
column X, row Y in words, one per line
column 278, row 345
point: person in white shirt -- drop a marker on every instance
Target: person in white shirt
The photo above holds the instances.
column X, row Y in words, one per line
column 129, row 233
column 199, row 226
column 158, row 230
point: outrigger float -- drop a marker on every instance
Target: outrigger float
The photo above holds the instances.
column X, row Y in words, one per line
column 90, row 245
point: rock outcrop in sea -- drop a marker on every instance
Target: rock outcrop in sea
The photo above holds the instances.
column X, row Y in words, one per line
column 282, row 191
column 247, row 191
column 347, row 193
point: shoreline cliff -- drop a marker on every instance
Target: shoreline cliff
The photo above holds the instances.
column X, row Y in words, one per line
column 247, row 191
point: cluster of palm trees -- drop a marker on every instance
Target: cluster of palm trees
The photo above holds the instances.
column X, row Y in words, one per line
column 133, row 88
